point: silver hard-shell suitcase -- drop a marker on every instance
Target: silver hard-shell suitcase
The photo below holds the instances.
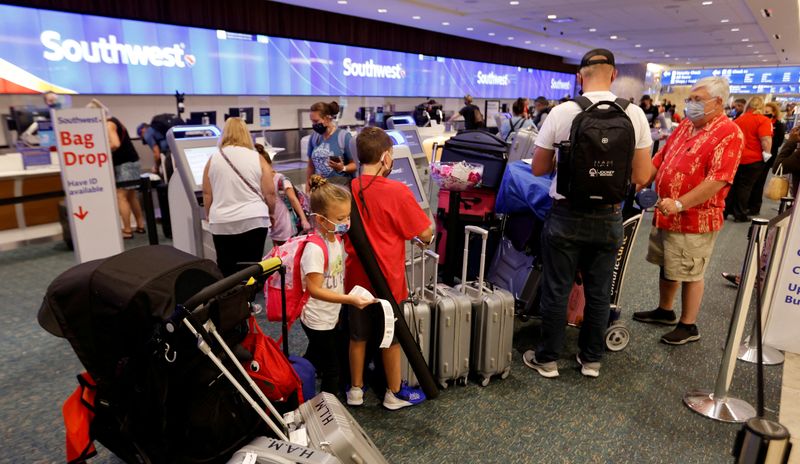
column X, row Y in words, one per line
column 417, row 313
column 266, row 450
column 452, row 329
column 492, row 319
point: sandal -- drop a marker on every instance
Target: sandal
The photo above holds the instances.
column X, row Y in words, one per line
column 140, row 230
column 127, row 235
column 732, row 278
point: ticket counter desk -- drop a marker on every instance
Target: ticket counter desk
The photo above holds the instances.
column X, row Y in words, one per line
column 16, row 181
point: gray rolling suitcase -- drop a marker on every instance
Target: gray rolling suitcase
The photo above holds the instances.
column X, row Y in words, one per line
column 452, row 328
column 417, row 314
column 265, row 450
column 492, row 319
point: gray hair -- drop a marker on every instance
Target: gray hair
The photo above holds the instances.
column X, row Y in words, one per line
column 717, row 87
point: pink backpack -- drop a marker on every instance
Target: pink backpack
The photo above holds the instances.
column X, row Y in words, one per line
column 290, row 254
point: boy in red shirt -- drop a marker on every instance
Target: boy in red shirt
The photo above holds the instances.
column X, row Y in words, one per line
column 391, row 217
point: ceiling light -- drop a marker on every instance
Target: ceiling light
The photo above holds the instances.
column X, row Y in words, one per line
column 706, row 3
column 470, row 28
column 342, row 2
column 591, row 29
column 613, row 37
column 382, row 10
column 764, row 60
column 445, row 23
column 513, row 2
column 750, row 45
column 734, row 29
column 556, row 48
column 638, row 45
column 724, row 20
column 666, row 55
column 552, row 16
column 676, row 58
column 756, row 52
column 745, row 40
column 491, row 34
column 527, row 41
column 543, row 45
column 510, row 38
column 650, row 50
column 416, row 17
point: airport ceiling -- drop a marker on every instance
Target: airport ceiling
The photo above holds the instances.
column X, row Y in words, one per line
column 674, row 33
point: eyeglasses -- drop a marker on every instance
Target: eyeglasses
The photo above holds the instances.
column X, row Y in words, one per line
column 769, row 115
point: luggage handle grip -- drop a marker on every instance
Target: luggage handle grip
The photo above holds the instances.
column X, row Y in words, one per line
column 485, row 237
column 435, row 257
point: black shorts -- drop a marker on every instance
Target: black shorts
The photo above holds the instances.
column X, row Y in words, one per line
column 366, row 322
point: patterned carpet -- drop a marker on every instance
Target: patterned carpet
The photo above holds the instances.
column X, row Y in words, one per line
column 632, row 413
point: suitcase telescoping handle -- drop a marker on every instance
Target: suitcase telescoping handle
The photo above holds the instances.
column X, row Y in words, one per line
column 485, row 237
column 435, row 257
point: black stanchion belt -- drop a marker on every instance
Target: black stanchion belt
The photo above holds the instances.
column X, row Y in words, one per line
column 366, row 255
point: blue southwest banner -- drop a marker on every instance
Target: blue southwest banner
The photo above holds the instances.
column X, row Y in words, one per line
column 71, row 53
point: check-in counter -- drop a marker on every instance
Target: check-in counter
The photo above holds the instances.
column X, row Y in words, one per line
column 15, row 181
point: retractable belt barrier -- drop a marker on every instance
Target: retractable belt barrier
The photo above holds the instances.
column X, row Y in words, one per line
column 145, row 187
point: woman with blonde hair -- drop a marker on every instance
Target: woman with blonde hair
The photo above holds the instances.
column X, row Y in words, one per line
column 772, row 111
column 757, row 131
column 239, row 198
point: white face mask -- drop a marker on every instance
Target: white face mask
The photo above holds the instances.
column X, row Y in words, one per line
column 696, row 110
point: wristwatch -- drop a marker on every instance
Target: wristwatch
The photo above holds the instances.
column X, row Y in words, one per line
column 679, row 205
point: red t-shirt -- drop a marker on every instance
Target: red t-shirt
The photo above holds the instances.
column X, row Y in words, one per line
column 690, row 157
column 392, row 217
column 753, row 126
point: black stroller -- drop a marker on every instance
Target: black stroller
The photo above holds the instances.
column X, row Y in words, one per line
column 157, row 397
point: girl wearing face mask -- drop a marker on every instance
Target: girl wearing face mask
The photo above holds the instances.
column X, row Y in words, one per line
column 329, row 153
column 330, row 206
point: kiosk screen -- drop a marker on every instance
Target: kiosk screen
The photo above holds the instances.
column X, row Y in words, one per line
column 403, row 171
column 197, row 158
column 412, row 140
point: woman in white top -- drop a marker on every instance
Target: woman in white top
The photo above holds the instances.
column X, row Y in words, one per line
column 239, row 198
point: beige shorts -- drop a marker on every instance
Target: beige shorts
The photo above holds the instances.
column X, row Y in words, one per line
column 684, row 257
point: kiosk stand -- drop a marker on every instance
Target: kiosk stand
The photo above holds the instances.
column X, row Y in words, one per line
column 191, row 147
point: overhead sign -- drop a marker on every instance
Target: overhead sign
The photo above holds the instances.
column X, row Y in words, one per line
column 72, row 53
column 88, row 178
column 784, row 313
column 748, row 79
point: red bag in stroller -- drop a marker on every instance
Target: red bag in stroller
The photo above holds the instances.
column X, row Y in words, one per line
column 158, row 398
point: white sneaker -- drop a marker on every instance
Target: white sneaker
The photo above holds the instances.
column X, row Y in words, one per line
column 589, row 369
column 355, row 396
column 546, row 369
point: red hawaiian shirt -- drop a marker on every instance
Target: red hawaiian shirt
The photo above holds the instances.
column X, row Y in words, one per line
column 689, row 157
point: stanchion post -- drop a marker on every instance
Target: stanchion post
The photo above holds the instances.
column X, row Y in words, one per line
column 145, row 187
column 786, row 203
column 747, row 350
column 717, row 404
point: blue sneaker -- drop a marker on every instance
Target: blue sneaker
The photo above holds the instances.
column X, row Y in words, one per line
column 407, row 396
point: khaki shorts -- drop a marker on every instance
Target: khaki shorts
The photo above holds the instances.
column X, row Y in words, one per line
column 684, row 257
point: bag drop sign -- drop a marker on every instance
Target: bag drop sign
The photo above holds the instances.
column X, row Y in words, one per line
column 87, row 175
column 784, row 313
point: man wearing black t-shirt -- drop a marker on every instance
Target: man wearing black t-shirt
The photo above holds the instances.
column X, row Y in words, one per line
column 650, row 110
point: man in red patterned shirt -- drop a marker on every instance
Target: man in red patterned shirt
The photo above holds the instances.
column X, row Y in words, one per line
column 694, row 172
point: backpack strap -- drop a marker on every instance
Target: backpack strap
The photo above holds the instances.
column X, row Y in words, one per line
column 583, row 102
column 622, row 103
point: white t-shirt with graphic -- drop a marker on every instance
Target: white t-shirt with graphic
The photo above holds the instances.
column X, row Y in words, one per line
column 318, row 314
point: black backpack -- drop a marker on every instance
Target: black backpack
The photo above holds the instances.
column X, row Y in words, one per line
column 594, row 165
column 164, row 122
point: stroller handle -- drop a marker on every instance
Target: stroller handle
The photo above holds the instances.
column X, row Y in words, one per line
column 268, row 266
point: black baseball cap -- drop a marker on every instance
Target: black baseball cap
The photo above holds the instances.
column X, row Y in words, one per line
column 588, row 60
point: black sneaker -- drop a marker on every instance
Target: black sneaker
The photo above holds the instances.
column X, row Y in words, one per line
column 657, row 316
column 683, row 334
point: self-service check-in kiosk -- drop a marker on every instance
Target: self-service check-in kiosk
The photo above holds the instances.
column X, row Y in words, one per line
column 191, row 147
column 406, row 135
column 405, row 170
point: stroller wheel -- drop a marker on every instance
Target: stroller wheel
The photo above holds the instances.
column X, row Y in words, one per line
column 617, row 337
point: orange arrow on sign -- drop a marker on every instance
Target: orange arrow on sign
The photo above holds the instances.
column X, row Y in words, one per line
column 81, row 213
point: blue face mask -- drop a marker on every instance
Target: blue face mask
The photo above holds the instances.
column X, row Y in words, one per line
column 339, row 229
column 696, row 110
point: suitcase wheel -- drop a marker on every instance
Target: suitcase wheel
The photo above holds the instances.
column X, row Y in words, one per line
column 443, row 384
column 485, row 381
column 617, row 337
column 505, row 373
column 463, row 381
